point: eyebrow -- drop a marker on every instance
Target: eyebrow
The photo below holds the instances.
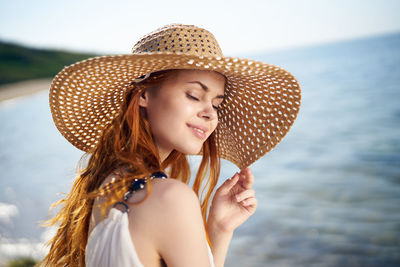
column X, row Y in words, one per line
column 205, row 88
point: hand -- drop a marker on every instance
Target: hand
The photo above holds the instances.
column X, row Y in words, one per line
column 226, row 212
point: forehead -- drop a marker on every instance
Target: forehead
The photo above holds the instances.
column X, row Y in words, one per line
column 213, row 80
column 200, row 73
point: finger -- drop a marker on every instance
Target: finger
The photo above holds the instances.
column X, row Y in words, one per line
column 250, row 202
column 245, row 194
column 247, row 178
column 229, row 183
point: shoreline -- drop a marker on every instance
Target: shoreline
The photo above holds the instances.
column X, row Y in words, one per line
column 24, row 88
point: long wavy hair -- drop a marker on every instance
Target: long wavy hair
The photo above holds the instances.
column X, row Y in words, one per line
column 127, row 143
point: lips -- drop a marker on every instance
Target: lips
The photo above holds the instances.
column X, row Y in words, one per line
column 202, row 128
column 199, row 131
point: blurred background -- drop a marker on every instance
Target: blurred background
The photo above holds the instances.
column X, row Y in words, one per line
column 329, row 193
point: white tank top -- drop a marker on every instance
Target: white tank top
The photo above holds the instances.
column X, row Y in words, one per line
column 110, row 243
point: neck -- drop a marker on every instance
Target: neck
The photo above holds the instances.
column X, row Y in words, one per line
column 163, row 154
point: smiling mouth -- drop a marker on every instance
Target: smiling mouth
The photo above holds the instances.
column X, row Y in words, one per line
column 197, row 132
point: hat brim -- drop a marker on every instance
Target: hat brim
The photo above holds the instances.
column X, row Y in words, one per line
column 261, row 100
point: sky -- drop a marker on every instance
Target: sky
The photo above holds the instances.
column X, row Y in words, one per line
column 245, row 26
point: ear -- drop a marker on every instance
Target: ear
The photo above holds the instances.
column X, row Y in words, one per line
column 144, row 99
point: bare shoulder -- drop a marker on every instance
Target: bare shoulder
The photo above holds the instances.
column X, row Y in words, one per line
column 167, row 195
column 171, row 190
column 173, row 220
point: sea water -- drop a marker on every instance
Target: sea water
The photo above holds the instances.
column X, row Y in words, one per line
column 328, row 194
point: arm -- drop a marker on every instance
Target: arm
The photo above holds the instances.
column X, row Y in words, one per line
column 220, row 241
column 233, row 203
column 181, row 238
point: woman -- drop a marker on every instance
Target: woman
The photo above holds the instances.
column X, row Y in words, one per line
column 137, row 117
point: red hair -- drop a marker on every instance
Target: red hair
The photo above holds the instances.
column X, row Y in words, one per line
column 126, row 142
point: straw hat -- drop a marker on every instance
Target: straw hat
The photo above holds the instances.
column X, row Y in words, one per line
column 261, row 100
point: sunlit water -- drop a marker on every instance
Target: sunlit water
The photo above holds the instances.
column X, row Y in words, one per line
column 329, row 193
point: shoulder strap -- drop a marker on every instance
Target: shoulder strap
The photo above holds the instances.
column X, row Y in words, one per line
column 137, row 185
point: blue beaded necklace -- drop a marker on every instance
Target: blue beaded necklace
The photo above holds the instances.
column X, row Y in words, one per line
column 137, row 185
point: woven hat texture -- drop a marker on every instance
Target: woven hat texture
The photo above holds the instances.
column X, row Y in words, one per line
column 261, row 100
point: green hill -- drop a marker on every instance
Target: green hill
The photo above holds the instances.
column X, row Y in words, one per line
column 18, row 63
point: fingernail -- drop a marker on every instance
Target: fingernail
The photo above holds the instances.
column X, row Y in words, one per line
column 237, row 198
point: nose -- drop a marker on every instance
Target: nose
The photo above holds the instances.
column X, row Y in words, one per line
column 208, row 112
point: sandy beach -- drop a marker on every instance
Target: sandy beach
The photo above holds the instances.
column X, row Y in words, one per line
column 19, row 89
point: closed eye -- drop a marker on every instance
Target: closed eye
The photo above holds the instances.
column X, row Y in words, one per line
column 196, row 99
column 192, row 97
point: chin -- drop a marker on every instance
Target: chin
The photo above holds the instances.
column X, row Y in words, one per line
column 190, row 151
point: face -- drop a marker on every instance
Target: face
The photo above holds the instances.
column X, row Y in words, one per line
column 183, row 111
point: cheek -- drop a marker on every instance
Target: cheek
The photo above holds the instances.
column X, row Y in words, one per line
column 168, row 114
column 215, row 124
column 180, row 108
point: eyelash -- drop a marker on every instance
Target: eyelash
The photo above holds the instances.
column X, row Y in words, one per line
column 194, row 98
